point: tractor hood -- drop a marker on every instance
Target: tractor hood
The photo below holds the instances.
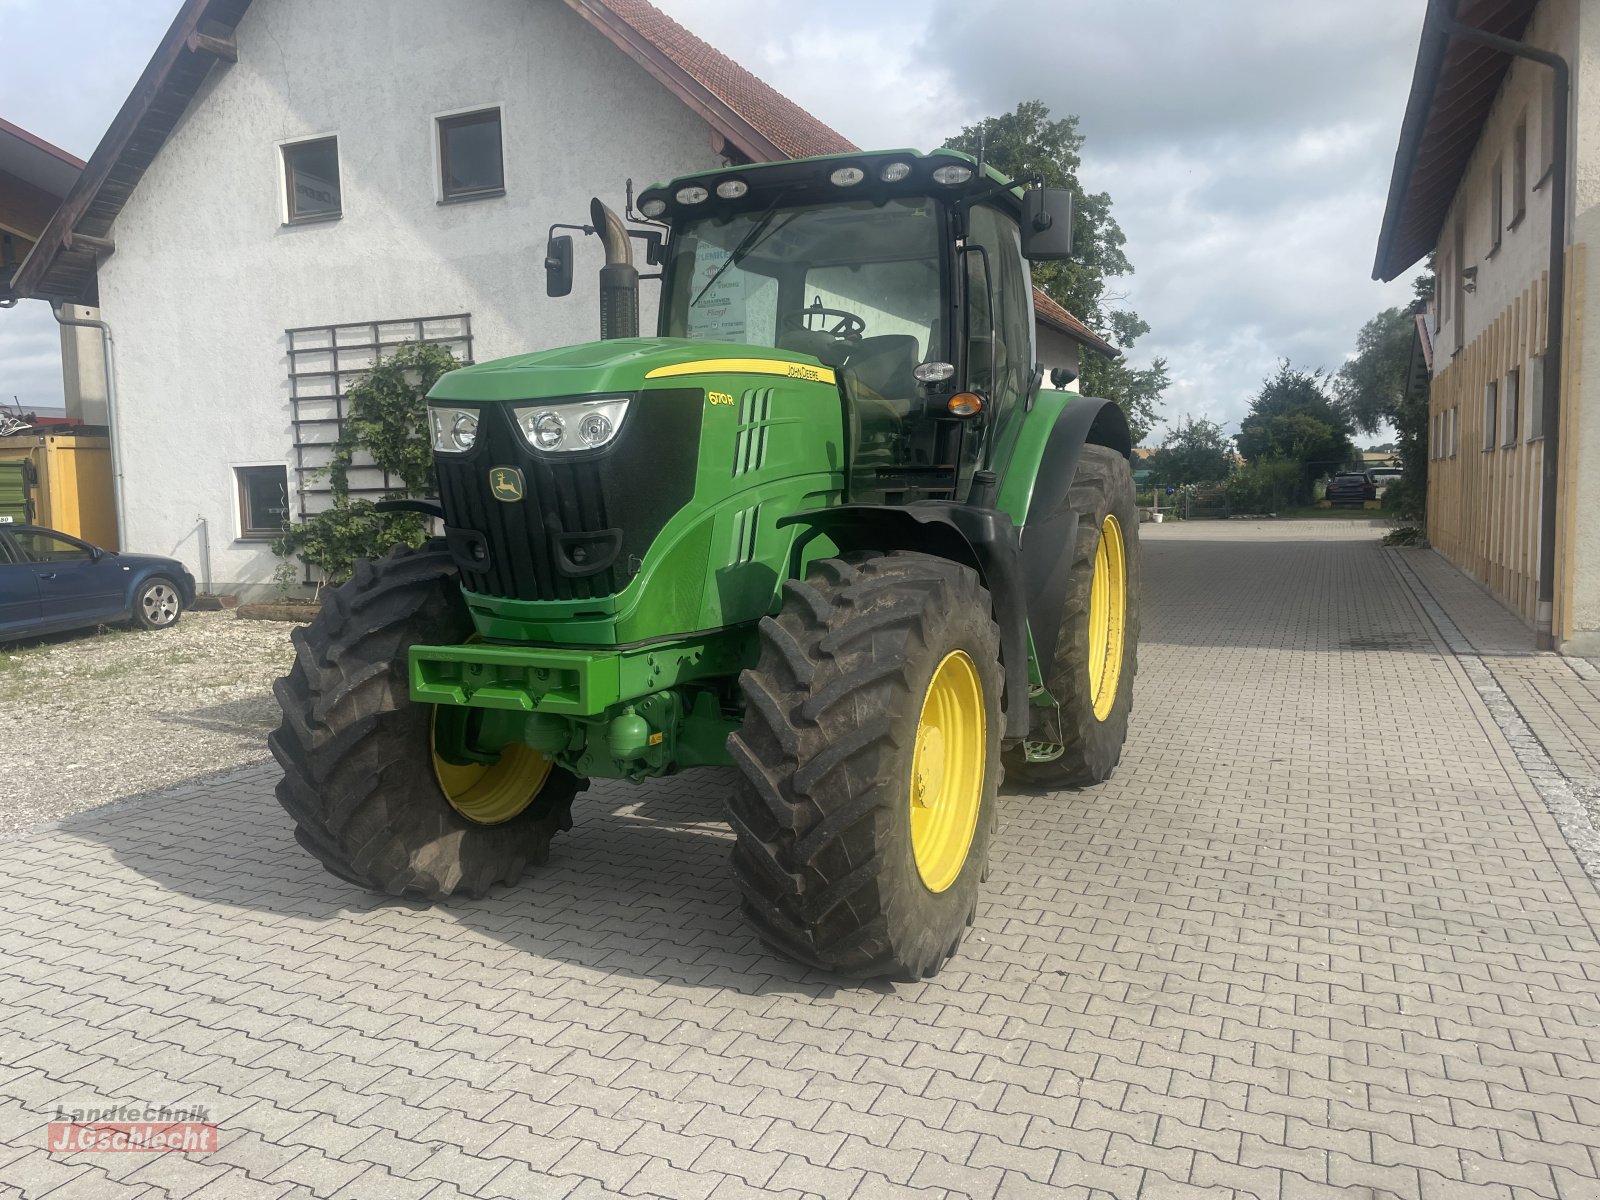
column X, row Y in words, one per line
column 619, row 365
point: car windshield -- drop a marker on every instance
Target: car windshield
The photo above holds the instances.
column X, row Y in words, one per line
column 828, row 280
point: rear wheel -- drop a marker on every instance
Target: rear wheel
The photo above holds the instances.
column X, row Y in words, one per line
column 870, row 759
column 373, row 796
column 1096, row 652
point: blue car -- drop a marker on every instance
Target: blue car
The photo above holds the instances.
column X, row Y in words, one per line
column 50, row 583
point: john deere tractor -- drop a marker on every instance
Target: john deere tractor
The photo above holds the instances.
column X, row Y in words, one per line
column 827, row 528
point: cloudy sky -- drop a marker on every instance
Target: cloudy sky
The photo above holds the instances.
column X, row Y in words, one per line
column 1246, row 144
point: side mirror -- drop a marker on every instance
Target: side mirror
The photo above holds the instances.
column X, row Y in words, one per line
column 1047, row 224
column 558, row 265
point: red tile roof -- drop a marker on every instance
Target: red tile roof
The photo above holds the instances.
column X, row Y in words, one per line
column 1051, row 313
column 780, row 120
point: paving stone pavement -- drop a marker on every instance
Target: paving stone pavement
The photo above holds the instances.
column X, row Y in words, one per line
column 1318, row 937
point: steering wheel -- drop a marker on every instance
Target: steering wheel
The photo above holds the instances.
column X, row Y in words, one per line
column 846, row 324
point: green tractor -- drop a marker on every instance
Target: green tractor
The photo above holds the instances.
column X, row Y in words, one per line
column 827, row 529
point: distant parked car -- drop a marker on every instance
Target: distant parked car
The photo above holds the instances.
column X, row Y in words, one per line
column 1382, row 477
column 50, row 583
column 1350, row 488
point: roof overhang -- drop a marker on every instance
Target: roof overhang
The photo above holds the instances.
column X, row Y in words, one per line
column 1452, row 91
column 61, row 267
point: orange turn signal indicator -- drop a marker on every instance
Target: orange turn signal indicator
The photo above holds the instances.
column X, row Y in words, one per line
column 965, row 404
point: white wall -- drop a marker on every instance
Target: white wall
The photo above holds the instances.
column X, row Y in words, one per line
column 206, row 277
column 1524, row 251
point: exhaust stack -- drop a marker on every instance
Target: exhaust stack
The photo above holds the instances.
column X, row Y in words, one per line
column 619, row 279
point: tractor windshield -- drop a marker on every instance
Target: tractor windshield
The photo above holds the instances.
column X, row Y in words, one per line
column 855, row 283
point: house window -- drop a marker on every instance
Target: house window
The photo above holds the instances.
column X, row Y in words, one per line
column 1458, row 282
column 1497, row 204
column 1436, row 441
column 311, row 175
column 471, row 162
column 1519, row 172
column 1491, row 412
column 1513, row 406
column 263, row 500
column 1536, row 397
column 1454, row 436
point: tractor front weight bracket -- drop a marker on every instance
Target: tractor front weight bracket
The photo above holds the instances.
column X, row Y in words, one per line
column 621, row 714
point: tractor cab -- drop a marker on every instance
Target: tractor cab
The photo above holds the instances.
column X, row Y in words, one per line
column 904, row 273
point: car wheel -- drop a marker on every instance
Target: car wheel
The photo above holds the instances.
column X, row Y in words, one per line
column 157, row 603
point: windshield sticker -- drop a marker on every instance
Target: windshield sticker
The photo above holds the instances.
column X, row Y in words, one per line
column 719, row 315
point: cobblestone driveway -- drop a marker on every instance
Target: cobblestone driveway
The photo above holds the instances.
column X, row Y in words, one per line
column 1317, row 937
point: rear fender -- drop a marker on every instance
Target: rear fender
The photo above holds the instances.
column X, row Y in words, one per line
column 985, row 539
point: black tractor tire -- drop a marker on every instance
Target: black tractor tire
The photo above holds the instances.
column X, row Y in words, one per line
column 823, row 851
column 357, row 752
column 1102, row 487
column 157, row 604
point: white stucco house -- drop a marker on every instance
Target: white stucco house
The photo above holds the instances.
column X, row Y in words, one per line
column 1477, row 170
column 296, row 185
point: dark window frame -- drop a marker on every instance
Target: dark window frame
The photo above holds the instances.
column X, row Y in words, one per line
column 1497, row 204
column 1519, row 172
column 442, row 129
column 249, row 532
column 1511, row 407
column 291, row 216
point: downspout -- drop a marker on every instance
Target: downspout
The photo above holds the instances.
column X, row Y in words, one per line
column 1550, row 407
column 107, row 348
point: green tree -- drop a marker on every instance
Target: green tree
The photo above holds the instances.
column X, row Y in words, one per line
column 1372, row 384
column 386, row 419
column 1374, row 389
column 1292, row 417
column 1194, row 452
column 1026, row 142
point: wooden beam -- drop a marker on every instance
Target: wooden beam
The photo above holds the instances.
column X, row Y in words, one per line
column 73, row 240
column 224, row 48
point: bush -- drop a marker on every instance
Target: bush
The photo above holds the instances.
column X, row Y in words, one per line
column 1406, row 499
column 1266, row 485
column 1406, row 535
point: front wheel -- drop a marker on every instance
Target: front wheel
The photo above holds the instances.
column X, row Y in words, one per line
column 373, row 797
column 870, row 759
column 157, row 604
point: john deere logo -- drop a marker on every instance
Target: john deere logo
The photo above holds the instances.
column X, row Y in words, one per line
column 506, row 484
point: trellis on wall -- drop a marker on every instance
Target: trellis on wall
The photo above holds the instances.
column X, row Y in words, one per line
column 324, row 361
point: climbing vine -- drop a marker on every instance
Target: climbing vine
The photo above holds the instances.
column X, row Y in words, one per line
column 386, row 419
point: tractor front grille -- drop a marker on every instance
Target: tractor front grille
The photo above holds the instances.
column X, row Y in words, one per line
column 585, row 520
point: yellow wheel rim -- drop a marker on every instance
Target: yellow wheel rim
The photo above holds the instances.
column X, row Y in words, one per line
column 492, row 793
column 1108, row 618
column 947, row 769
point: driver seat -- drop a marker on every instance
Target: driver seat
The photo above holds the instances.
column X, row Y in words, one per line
column 883, row 366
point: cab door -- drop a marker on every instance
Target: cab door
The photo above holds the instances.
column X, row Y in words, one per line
column 19, row 592
column 999, row 326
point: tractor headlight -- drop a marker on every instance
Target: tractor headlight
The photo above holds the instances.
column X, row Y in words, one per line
column 454, row 429
column 570, row 425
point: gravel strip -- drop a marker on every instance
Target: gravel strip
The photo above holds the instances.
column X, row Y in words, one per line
column 89, row 718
